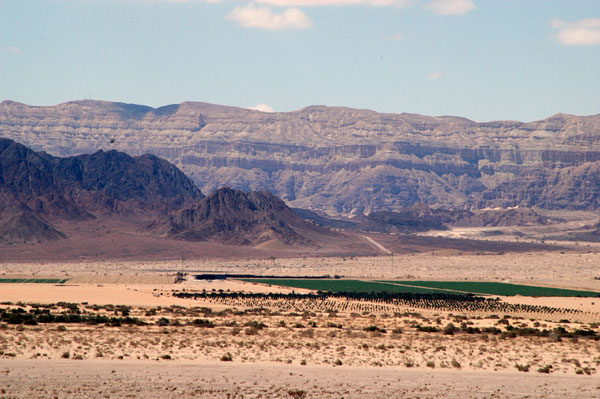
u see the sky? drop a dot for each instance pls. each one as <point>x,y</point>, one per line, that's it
<point>481,59</point>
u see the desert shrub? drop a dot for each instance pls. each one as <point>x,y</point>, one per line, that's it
<point>375,329</point>
<point>430,364</point>
<point>297,393</point>
<point>449,329</point>
<point>66,355</point>
<point>227,357</point>
<point>455,364</point>
<point>338,362</point>
<point>546,369</point>
<point>204,323</point>
<point>584,370</point>
<point>428,329</point>
<point>166,357</point>
<point>522,367</point>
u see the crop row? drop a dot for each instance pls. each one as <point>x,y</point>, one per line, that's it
<point>496,288</point>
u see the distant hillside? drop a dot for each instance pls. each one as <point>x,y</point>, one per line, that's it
<point>421,217</point>
<point>235,217</point>
<point>37,189</point>
<point>337,160</point>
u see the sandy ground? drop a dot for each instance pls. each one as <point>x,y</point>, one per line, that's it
<point>131,361</point>
<point>568,269</point>
<point>68,379</point>
<point>125,293</point>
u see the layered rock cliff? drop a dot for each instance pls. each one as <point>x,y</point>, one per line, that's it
<point>337,160</point>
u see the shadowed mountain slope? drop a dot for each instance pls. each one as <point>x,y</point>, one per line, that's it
<point>232,216</point>
<point>37,188</point>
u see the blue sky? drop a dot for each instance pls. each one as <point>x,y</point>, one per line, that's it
<point>481,59</point>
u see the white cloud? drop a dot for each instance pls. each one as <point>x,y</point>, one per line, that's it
<point>585,32</point>
<point>262,108</point>
<point>451,7</point>
<point>315,3</point>
<point>189,1</point>
<point>397,37</point>
<point>252,16</point>
<point>434,75</point>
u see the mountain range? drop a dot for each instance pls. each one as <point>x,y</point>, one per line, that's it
<point>337,160</point>
<point>38,190</point>
<point>111,205</point>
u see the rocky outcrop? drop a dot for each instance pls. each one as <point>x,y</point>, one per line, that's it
<point>338,160</point>
<point>235,217</point>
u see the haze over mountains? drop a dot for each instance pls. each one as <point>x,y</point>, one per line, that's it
<point>337,160</point>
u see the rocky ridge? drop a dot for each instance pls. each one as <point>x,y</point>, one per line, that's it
<point>235,217</point>
<point>338,160</point>
<point>37,189</point>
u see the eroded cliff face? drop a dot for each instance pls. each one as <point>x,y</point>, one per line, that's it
<point>338,160</point>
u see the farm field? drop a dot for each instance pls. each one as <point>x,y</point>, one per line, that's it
<point>32,280</point>
<point>426,287</point>
<point>358,286</point>
<point>497,288</point>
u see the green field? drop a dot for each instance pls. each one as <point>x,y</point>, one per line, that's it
<point>346,286</point>
<point>424,287</point>
<point>33,280</point>
<point>503,289</point>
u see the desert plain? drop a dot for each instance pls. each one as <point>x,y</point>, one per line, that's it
<point>140,338</point>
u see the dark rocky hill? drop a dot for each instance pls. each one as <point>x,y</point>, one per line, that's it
<point>19,224</point>
<point>37,189</point>
<point>338,160</point>
<point>235,217</point>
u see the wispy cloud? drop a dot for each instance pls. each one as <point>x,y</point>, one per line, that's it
<point>315,3</point>
<point>450,7</point>
<point>397,37</point>
<point>262,17</point>
<point>262,108</point>
<point>585,32</point>
<point>14,50</point>
<point>434,75</point>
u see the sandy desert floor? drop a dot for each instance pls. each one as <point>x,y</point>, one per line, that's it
<point>297,349</point>
<point>132,379</point>
<point>569,269</point>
